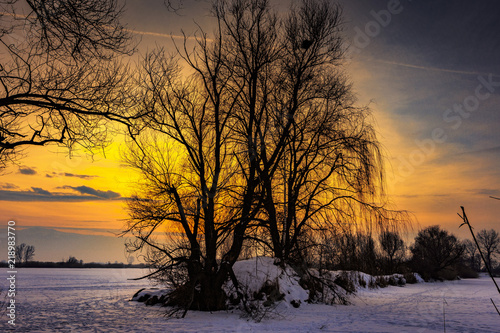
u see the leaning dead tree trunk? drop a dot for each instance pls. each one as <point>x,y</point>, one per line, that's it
<point>466,222</point>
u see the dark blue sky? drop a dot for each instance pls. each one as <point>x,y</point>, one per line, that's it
<point>428,62</point>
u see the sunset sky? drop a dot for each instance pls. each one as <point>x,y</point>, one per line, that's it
<point>430,71</point>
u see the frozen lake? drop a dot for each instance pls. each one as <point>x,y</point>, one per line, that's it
<point>96,300</point>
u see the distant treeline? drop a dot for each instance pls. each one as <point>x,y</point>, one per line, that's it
<point>77,264</point>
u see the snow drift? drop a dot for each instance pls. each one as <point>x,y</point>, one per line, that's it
<point>264,285</point>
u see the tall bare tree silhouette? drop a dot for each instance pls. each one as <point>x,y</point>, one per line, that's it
<point>262,143</point>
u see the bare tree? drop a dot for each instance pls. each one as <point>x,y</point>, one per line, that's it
<point>188,178</point>
<point>20,252</point>
<point>320,160</point>
<point>489,241</point>
<point>60,77</point>
<point>29,253</point>
<point>472,255</point>
<point>435,253</point>
<point>393,246</point>
<point>203,183</point>
<point>24,253</point>
<point>261,144</point>
<point>352,251</point>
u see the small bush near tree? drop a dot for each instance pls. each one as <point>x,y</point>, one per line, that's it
<point>410,278</point>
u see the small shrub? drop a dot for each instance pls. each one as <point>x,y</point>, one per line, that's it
<point>314,286</point>
<point>392,281</point>
<point>323,289</point>
<point>271,291</point>
<point>401,281</point>
<point>258,296</point>
<point>152,300</point>
<point>466,272</point>
<point>381,282</point>
<point>361,281</point>
<point>448,274</point>
<point>234,299</point>
<point>144,298</point>
<point>410,278</point>
<point>343,281</point>
<point>496,271</point>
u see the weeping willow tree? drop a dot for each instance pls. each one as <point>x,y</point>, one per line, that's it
<point>320,163</point>
<point>261,144</point>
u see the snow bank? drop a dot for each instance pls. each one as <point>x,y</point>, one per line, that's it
<point>263,285</point>
<point>261,279</point>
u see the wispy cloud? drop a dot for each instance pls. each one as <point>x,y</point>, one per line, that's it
<point>486,192</point>
<point>40,194</point>
<point>8,186</point>
<point>94,192</point>
<point>68,174</point>
<point>480,151</point>
<point>46,230</point>
<point>491,153</point>
<point>41,191</point>
<point>415,196</point>
<point>37,195</point>
<point>27,171</point>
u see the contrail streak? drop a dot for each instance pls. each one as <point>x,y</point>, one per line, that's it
<point>158,34</point>
<point>435,69</point>
<point>137,32</point>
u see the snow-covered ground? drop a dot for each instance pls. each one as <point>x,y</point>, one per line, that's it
<point>97,300</point>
